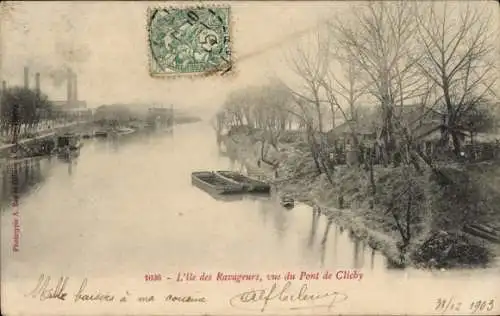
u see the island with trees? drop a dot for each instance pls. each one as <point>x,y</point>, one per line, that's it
<point>390,129</point>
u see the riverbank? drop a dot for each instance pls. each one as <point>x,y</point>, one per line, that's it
<point>434,222</point>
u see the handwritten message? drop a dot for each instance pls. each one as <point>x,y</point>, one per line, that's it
<point>49,289</point>
<point>257,292</point>
<point>288,290</point>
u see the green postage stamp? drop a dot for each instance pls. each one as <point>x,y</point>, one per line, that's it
<point>189,40</point>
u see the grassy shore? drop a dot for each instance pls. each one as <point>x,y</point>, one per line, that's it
<point>436,237</point>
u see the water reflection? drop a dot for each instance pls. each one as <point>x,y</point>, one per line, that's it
<point>72,163</point>
<point>232,162</point>
<point>357,257</point>
<point>334,248</point>
<point>335,241</point>
<point>314,227</point>
<point>372,259</point>
<point>264,210</point>
<point>21,177</point>
<point>324,239</point>
<point>280,221</point>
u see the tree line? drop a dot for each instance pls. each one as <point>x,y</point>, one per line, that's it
<point>384,58</point>
<point>23,110</point>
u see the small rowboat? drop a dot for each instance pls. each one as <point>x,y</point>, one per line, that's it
<point>210,182</point>
<point>249,185</point>
<point>287,202</point>
<point>483,231</point>
<point>228,197</point>
<point>124,131</point>
<point>101,134</point>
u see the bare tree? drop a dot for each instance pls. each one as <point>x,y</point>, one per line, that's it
<point>273,101</point>
<point>457,58</point>
<point>379,40</point>
<point>263,108</point>
<point>343,92</point>
<point>311,66</point>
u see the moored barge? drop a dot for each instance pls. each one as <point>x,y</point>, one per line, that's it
<point>212,183</point>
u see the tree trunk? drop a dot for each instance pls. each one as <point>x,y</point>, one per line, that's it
<point>332,110</point>
<point>408,218</point>
<point>457,146</point>
<point>314,152</point>
<point>372,175</point>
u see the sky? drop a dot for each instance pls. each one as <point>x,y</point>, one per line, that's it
<point>106,44</point>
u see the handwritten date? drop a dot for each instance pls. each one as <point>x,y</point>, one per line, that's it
<point>452,304</point>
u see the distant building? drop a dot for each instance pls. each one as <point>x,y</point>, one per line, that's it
<point>72,106</point>
<point>343,134</point>
<point>161,115</point>
<point>113,112</point>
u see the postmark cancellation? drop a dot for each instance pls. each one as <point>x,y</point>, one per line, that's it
<point>188,40</point>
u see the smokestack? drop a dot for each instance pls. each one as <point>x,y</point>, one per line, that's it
<point>70,86</point>
<point>37,82</point>
<point>26,78</point>
<point>75,87</point>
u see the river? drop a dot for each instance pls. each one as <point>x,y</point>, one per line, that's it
<point>127,207</point>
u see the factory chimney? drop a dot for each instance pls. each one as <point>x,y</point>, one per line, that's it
<point>69,80</point>
<point>37,82</point>
<point>75,87</point>
<point>26,78</point>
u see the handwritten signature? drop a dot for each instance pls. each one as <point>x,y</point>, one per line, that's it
<point>295,300</point>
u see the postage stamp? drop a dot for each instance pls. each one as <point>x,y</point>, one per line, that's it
<point>189,40</point>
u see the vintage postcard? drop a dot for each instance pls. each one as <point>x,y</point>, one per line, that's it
<point>250,158</point>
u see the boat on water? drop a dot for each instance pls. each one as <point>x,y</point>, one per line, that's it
<point>287,202</point>
<point>486,232</point>
<point>68,140</point>
<point>249,185</point>
<point>101,134</point>
<point>124,131</point>
<point>228,197</point>
<point>241,197</point>
<point>212,183</point>
<point>68,145</point>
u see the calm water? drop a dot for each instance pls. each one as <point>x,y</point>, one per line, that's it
<point>128,207</point>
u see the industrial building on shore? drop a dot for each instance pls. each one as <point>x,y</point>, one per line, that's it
<point>71,107</point>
